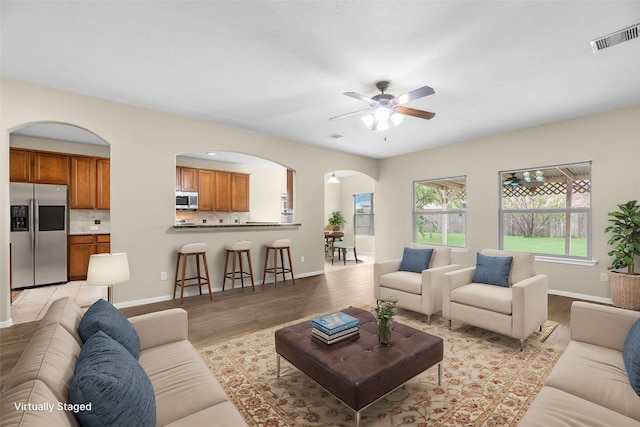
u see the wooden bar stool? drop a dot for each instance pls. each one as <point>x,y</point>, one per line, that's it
<point>196,250</point>
<point>237,249</point>
<point>278,246</point>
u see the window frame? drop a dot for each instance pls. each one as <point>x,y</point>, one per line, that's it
<point>371,215</point>
<point>565,211</point>
<point>443,212</point>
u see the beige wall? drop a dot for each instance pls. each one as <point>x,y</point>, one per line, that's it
<point>610,140</point>
<point>143,146</point>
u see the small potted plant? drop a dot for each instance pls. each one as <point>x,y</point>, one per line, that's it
<point>384,311</point>
<point>625,236</point>
<point>337,220</point>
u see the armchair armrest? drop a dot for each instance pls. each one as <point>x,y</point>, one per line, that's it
<point>529,305</point>
<point>161,327</point>
<point>380,269</point>
<point>454,279</point>
<point>601,325</point>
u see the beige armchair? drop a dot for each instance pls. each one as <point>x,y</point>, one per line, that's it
<point>515,310</point>
<point>420,292</point>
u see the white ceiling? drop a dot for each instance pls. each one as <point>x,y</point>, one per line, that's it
<point>281,67</point>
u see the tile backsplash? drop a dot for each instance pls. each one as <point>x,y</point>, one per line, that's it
<point>83,221</point>
<point>198,217</point>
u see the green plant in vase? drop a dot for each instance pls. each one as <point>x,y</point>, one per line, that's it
<point>384,312</point>
<point>337,220</point>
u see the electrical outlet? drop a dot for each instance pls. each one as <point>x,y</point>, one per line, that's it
<point>604,277</point>
<point>163,275</point>
<point>302,258</point>
<point>94,228</point>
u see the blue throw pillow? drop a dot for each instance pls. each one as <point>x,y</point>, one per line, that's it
<point>415,260</point>
<point>114,383</point>
<point>631,356</point>
<point>492,270</point>
<point>103,316</point>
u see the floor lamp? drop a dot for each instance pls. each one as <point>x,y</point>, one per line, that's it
<point>108,270</point>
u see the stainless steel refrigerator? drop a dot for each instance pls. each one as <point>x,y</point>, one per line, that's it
<point>38,234</point>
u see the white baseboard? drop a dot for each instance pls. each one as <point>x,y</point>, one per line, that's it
<point>193,291</point>
<point>6,323</point>
<point>602,300</point>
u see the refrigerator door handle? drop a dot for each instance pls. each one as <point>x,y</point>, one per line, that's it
<point>36,222</point>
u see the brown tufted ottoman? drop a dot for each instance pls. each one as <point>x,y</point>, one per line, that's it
<point>360,371</point>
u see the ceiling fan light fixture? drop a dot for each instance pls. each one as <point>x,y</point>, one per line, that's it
<point>383,113</point>
<point>381,125</point>
<point>332,179</point>
<point>396,118</point>
<point>368,120</point>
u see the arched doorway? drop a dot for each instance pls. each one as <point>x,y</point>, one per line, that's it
<point>354,196</point>
<point>73,164</point>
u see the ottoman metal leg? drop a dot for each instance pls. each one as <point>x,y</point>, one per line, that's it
<point>277,365</point>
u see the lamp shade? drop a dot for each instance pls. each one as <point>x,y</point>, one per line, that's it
<point>108,269</point>
<point>333,180</point>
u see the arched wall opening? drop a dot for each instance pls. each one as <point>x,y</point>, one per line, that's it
<point>352,193</point>
<point>68,143</point>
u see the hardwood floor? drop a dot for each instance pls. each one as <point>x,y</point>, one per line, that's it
<point>247,311</point>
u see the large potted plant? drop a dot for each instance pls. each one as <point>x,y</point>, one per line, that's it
<point>337,220</point>
<point>625,237</point>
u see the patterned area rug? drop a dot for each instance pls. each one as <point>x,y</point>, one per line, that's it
<point>486,381</point>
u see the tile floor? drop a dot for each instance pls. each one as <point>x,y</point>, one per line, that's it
<point>31,304</point>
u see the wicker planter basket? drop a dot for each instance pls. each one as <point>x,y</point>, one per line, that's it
<point>625,290</point>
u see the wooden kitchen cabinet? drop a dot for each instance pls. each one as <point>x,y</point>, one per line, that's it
<point>103,184</point>
<point>207,190</point>
<point>223,191</point>
<point>187,178</point>
<point>50,168</point>
<point>90,186</point>
<point>19,165</point>
<point>239,192</point>
<point>232,192</point>
<point>81,247</point>
<point>82,192</point>
<point>38,167</point>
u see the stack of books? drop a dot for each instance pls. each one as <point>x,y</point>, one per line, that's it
<point>335,327</point>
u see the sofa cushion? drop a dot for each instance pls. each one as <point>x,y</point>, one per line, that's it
<point>556,408</point>
<point>415,260</point>
<point>596,374</point>
<point>492,270</point>
<point>103,316</point>
<point>35,392</point>
<point>178,373</point>
<point>489,297</point>
<point>49,357</point>
<point>113,382</point>
<point>405,281</point>
<point>66,312</point>
<point>631,356</point>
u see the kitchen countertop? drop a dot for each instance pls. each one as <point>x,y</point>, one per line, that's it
<point>212,227</point>
<point>89,233</point>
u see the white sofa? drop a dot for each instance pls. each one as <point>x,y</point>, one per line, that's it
<point>516,310</point>
<point>420,292</point>
<point>589,385</point>
<point>186,392</point>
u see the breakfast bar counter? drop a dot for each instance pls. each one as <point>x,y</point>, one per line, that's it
<point>226,227</point>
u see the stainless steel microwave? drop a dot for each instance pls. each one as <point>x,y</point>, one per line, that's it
<point>186,200</point>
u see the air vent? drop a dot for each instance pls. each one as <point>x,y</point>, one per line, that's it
<point>621,36</point>
<point>335,136</point>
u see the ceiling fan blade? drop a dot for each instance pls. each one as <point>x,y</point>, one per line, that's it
<point>414,94</point>
<point>361,97</point>
<point>342,116</point>
<point>413,112</point>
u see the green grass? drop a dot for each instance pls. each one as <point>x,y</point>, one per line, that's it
<point>541,245</point>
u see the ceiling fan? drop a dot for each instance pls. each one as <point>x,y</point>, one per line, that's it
<point>384,106</point>
<point>512,181</point>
